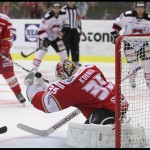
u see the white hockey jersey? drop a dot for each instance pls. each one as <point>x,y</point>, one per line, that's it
<point>132,25</point>
<point>51,25</point>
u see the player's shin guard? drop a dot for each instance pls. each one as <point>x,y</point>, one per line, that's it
<point>13,84</point>
<point>146,65</point>
<point>37,60</point>
<point>63,55</point>
<point>15,87</point>
<point>133,66</point>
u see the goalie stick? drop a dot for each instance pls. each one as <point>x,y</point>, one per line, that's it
<point>3,129</point>
<point>3,56</point>
<point>25,56</point>
<point>51,129</point>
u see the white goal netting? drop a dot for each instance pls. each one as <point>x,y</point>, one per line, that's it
<point>134,51</point>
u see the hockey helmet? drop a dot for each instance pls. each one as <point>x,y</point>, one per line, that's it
<point>65,69</point>
<point>140,4</point>
<point>56,4</point>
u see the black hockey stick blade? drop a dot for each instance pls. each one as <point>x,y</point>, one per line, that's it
<point>25,56</point>
<point>3,129</point>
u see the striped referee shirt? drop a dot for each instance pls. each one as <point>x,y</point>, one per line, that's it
<point>74,16</point>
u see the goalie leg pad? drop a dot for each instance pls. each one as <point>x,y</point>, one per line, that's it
<point>90,136</point>
<point>103,136</point>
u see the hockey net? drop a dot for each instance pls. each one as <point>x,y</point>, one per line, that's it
<point>138,114</point>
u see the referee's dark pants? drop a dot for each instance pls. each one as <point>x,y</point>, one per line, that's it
<point>71,42</point>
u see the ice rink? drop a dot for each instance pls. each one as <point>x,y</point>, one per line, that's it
<point>12,112</point>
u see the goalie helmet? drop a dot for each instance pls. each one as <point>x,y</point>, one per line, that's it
<point>65,69</point>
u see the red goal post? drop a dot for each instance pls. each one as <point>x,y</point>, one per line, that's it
<point>138,102</point>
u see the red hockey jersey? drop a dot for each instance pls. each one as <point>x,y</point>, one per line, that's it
<point>87,90</point>
<point>6,32</point>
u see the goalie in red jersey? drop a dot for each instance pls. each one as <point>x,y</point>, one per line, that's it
<point>83,87</point>
<point>6,67</point>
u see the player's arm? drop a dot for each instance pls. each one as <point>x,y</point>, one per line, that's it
<point>42,31</point>
<point>39,95</point>
<point>65,28</point>
<point>7,38</point>
<point>118,24</point>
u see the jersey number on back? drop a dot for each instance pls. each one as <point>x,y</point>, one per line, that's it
<point>96,87</point>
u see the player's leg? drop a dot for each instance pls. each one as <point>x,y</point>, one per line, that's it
<point>145,56</point>
<point>75,47</point>
<point>101,116</point>
<point>7,71</point>
<point>66,39</point>
<point>60,48</point>
<point>132,59</point>
<point>39,56</point>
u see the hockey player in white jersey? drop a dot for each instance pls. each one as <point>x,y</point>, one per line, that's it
<point>53,25</point>
<point>135,22</point>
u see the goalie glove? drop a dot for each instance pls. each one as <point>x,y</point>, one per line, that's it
<point>28,81</point>
<point>36,79</point>
<point>114,35</point>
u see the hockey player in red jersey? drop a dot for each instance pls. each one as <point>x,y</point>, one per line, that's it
<point>85,88</point>
<point>6,67</point>
<point>135,22</point>
<point>53,26</point>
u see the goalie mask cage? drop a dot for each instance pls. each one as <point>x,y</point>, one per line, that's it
<point>138,98</point>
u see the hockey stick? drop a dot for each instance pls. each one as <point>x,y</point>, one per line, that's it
<point>3,56</point>
<point>3,129</point>
<point>62,121</point>
<point>134,71</point>
<point>25,56</point>
<point>52,128</point>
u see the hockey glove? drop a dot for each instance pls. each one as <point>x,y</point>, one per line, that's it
<point>4,50</point>
<point>46,42</point>
<point>114,34</point>
<point>29,79</point>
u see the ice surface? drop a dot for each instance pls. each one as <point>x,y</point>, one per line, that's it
<point>12,112</point>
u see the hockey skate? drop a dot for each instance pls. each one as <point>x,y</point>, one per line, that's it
<point>20,98</point>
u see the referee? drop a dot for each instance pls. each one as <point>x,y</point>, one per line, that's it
<point>72,40</point>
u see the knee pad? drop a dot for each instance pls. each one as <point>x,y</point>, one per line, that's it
<point>101,116</point>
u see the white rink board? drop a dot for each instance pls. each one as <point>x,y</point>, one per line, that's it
<point>96,42</point>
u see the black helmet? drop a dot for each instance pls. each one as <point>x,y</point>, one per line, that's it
<point>140,4</point>
<point>56,4</point>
